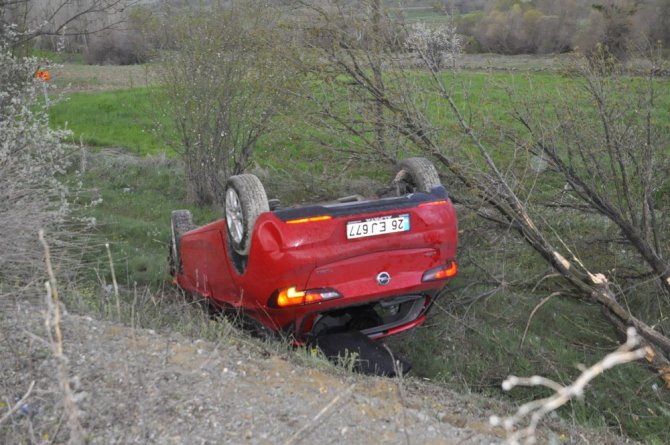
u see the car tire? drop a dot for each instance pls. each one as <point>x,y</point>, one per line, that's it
<point>245,200</point>
<point>415,175</point>
<point>181,221</point>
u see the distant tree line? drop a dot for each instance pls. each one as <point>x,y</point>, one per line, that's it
<point>547,26</point>
<point>124,31</point>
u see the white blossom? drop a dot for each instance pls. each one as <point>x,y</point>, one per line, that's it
<point>33,159</point>
<point>436,43</point>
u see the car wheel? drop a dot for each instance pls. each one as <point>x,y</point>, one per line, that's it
<point>181,221</point>
<point>245,200</point>
<point>415,175</point>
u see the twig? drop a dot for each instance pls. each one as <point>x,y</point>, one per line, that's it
<point>52,293</point>
<point>18,404</point>
<point>54,435</point>
<point>116,286</point>
<point>465,439</point>
<point>52,322</point>
<point>401,391</point>
<point>537,409</point>
<point>551,275</point>
<point>296,437</point>
<point>530,317</point>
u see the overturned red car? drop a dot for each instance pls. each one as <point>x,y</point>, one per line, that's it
<point>371,265</point>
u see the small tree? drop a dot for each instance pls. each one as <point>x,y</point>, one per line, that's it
<point>224,83</point>
<point>61,24</point>
<point>618,23</point>
<point>610,154</point>
<point>439,43</point>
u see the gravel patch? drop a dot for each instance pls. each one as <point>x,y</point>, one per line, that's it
<point>135,386</point>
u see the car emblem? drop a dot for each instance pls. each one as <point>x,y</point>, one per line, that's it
<point>383,278</point>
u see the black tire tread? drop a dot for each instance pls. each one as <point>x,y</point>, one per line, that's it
<point>181,222</point>
<point>253,200</point>
<point>422,172</point>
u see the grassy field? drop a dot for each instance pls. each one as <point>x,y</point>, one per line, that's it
<point>137,195</point>
<point>425,14</point>
<point>125,118</point>
<point>472,339</point>
<point>131,118</point>
<point>70,77</point>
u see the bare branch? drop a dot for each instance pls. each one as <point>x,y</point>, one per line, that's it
<point>536,410</point>
<point>530,317</point>
<point>18,404</point>
<point>53,325</point>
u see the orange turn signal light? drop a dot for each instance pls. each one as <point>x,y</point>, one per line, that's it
<point>311,219</point>
<point>293,297</point>
<point>433,203</point>
<point>448,270</point>
<point>290,297</point>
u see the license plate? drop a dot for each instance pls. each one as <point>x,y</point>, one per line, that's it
<point>378,226</point>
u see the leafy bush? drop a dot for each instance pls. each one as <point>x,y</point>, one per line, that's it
<point>227,80</point>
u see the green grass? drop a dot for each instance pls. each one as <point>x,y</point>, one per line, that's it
<point>127,119</point>
<point>475,346</point>
<point>134,216</point>
<point>470,344</point>
<point>420,14</point>
<point>131,119</point>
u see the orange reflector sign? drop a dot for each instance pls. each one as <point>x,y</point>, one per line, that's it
<point>42,75</point>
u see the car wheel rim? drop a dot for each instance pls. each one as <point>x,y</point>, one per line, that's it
<point>234,216</point>
<point>404,187</point>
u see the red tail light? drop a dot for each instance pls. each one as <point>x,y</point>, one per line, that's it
<point>448,270</point>
<point>294,297</point>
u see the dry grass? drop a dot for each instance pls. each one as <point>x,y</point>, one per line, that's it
<point>53,324</point>
<point>75,77</point>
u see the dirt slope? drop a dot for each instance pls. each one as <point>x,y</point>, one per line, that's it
<point>135,386</point>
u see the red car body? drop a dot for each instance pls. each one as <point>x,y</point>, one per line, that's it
<point>308,270</point>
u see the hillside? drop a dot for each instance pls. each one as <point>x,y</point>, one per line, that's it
<point>139,386</point>
<point>470,342</point>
